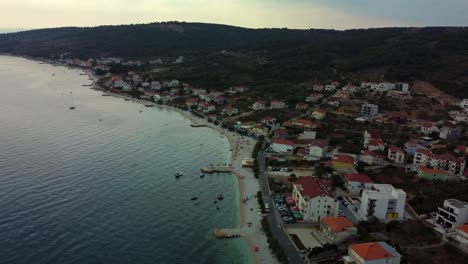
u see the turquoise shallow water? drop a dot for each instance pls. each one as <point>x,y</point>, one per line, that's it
<point>78,190</point>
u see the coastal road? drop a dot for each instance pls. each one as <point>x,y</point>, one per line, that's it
<point>276,222</point>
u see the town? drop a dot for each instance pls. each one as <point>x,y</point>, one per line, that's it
<point>356,171</point>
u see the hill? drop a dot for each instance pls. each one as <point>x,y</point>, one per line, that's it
<point>267,58</point>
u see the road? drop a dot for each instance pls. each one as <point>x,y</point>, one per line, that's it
<point>273,217</point>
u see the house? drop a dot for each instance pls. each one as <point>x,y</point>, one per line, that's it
<point>281,133</point>
<point>454,213</point>
<point>356,183</point>
<point>396,154</point>
<point>462,149</point>
<point>258,105</point>
<point>302,106</point>
<point>429,128</point>
<point>334,103</point>
<point>318,114</point>
<point>375,144</point>
<point>260,130</point>
<point>330,88</point>
<point>275,104</point>
<point>301,123</point>
<point>230,111</point>
<point>198,91</point>
<point>269,121</point>
<point>369,109</point>
<point>307,135</point>
<point>281,145</point>
<point>410,147</point>
<point>318,87</point>
<point>369,157</point>
<point>464,104</point>
<point>447,162</point>
<point>449,132</point>
<point>206,107</point>
<point>217,99</point>
<point>402,87</point>
<point>432,174</point>
<point>300,152</point>
<point>383,201</point>
<point>314,198</point>
<point>191,102</point>
<point>421,156</point>
<point>462,236</point>
<point>337,229</point>
<point>350,88</point>
<point>315,97</point>
<point>340,161</point>
<point>372,253</point>
<point>314,152</point>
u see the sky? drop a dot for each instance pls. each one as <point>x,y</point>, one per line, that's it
<point>329,14</point>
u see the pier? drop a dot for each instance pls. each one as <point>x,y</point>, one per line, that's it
<point>217,169</point>
<point>219,233</point>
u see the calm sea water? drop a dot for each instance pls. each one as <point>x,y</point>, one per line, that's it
<point>74,189</point>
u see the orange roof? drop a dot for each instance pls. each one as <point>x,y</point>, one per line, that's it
<point>370,251</point>
<point>434,171</point>
<point>395,149</point>
<point>337,224</point>
<point>312,188</point>
<point>358,178</point>
<point>283,141</point>
<point>463,228</point>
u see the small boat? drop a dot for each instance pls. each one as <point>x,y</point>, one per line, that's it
<point>196,203</point>
<point>105,94</point>
<point>217,207</point>
<point>220,197</point>
<point>215,202</point>
<point>141,111</point>
<point>127,99</point>
<point>149,105</point>
<point>194,198</point>
<point>72,108</point>
<point>178,174</point>
<point>202,175</point>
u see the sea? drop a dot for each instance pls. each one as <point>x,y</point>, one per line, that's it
<point>96,184</point>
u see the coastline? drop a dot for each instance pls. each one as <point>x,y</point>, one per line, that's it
<point>241,147</point>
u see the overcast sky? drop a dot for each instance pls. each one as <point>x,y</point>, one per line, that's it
<point>338,14</point>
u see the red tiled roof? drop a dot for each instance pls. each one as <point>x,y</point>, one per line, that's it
<point>343,158</point>
<point>337,224</point>
<point>281,132</point>
<point>318,110</point>
<point>376,142</point>
<point>358,178</point>
<point>283,141</point>
<point>301,151</point>
<point>311,187</point>
<point>303,122</point>
<point>370,251</point>
<point>426,152</point>
<point>433,171</point>
<point>395,149</point>
<point>463,228</point>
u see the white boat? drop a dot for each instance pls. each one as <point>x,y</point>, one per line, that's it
<point>202,175</point>
<point>178,174</point>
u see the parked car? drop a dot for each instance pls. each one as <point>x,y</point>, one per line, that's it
<point>340,212</point>
<point>345,204</point>
<point>339,198</point>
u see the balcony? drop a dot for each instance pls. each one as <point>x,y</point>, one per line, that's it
<point>446,217</point>
<point>447,211</point>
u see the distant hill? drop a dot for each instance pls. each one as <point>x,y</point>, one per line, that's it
<point>260,56</point>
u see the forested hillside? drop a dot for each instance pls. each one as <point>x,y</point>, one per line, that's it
<point>267,57</point>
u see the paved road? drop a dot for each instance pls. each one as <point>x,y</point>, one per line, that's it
<point>273,217</point>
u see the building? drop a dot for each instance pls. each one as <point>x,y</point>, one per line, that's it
<point>191,102</point>
<point>375,144</point>
<point>342,162</point>
<point>281,133</point>
<point>275,104</point>
<point>464,104</point>
<point>429,128</point>
<point>259,105</point>
<point>281,145</point>
<point>449,132</point>
<point>302,106</point>
<point>230,111</point>
<point>384,202</point>
<point>337,229</point>
<point>462,236</point>
<point>402,87</point>
<point>307,135</point>
<point>330,88</point>
<point>447,162</point>
<point>369,109</point>
<point>432,174</point>
<point>318,114</point>
<point>421,156</point>
<point>314,152</point>
<point>314,199</point>
<point>357,183</point>
<point>317,87</point>
<point>372,253</point>
<point>315,97</point>
<point>396,154</point>
<point>410,147</point>
<point>454,213</point>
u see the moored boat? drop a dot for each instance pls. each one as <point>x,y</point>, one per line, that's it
<point>178,174</point>
<point>220,197</point>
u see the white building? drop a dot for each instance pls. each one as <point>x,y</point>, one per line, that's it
<point>314,152</point>
<point>464,104</point>
<point>453,214</point>
<point>369,109</point>
<point>372,253</point>
<point>281,145</point>
<point>402,87</point>
<point>337,229</point>
<point>384,202</point>
<point>314,199</point>
<point>421,156</point>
